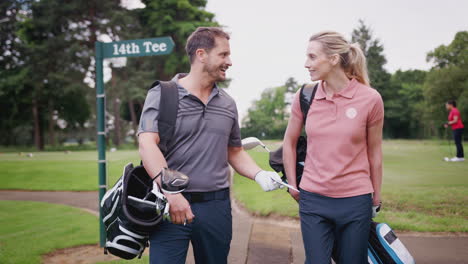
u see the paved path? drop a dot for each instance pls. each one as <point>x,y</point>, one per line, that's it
<point>262,240</point>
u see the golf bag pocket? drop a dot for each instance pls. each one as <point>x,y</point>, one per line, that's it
<point>385,247</point>
<point>124,243</point>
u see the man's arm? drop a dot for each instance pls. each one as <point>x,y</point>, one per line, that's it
<point>374,150</point>
<point>154,162</point>
<point>246,166</point>
<point>242,162</point>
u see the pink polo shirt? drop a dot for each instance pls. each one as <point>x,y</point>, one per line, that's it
<point>337,164</point>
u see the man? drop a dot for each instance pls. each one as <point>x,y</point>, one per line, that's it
<point>455,121</point>
<point>206,139</point>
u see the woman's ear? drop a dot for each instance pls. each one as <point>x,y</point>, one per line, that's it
<point>335,59</point>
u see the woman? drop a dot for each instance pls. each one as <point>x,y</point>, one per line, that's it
<point>343,169</point>
<point>455,121</point>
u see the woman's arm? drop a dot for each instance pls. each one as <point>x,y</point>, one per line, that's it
<point>293,131</point>
<point>374,151</point>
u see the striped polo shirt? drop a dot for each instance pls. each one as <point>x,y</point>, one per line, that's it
<point>203,133</point>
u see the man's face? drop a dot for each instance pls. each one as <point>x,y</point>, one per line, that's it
<point>448,107</point>
<point>318,63</point>
<point>218,60</point>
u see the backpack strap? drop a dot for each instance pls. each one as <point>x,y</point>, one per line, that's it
<point>306,98</point>
<point>168,107</point>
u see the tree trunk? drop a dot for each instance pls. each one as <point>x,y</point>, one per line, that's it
<point>117,138</point>
<point>131,108</point>
<point>51,124</point>
<point>37,127</point>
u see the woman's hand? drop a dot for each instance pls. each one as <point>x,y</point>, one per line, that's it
<point>295,195</point>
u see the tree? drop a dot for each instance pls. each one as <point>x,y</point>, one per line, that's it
<point>379,77</point>
<point>447,80</point>
<point>175,18</point>
<point>268,116</point>
<point>408,104</point>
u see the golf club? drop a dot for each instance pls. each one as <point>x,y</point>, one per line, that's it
<point>252,142</point>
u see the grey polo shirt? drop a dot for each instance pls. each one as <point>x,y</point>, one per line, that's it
<point>199,147</point>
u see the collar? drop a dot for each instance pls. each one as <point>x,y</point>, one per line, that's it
<point>347,92</point>
<point>184,92</point>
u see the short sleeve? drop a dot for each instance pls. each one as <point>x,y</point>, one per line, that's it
<point>376,113</point>
<point>296,106</point>
<point>150,112</point>
<point>235,136</point>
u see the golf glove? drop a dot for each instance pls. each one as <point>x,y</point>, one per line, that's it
<point>375,210</point>
<point>268,180</point>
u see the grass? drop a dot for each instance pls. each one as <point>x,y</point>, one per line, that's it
<point>420,191</point>
<point>30,229</point>
<point>75,171</point>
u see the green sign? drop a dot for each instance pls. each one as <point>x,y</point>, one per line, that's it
<point>126,48</point>
<point>138,47</point>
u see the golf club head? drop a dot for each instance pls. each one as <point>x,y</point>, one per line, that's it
<point>250,143</point>
<point>173,181</point>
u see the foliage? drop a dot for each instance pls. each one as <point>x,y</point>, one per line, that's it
<point>268,117</point>
<point>379,77</point>
<point>447,80</point>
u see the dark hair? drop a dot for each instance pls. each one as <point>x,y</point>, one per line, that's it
<point>452,102</point>
<point>203,38</point>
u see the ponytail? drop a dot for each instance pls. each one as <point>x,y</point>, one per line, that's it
<point>356,65</point>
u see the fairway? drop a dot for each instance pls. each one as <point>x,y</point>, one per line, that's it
<point>421,192</point>
<point>75,171</point>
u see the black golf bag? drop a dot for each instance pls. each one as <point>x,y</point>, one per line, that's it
<point>385,247</point>
<point>130,211</point>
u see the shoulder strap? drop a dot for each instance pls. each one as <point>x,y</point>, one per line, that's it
<point>306,98</point>
<point>168,107</point>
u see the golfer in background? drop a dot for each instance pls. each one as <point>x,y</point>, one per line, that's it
<point>343,167</point>
<point>455,121</point>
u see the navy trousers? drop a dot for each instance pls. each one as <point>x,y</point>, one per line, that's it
<point>457,136</point>
<point>337,227</point>
<point>210,234</point>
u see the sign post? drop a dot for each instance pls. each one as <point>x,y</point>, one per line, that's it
<point>126,48</point>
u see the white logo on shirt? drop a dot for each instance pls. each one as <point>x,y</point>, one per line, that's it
<point>351,113</point>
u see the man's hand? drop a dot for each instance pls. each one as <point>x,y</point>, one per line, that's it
<point>268,180</point>
<point>179,209</point>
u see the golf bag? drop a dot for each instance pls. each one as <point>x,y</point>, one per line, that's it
<point>276,157</point>
<point>385,247</point>
<point>132,208</point>
<point>130,211</point>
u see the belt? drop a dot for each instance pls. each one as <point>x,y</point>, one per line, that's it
<point>198,197</point>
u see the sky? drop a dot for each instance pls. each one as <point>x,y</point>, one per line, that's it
<point>269,38</point>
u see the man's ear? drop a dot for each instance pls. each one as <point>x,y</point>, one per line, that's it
<point>200,55</point>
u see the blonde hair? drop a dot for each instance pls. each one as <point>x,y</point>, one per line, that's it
<point>352,58</point>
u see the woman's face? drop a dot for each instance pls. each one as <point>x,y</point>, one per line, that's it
<point>318,63</point>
